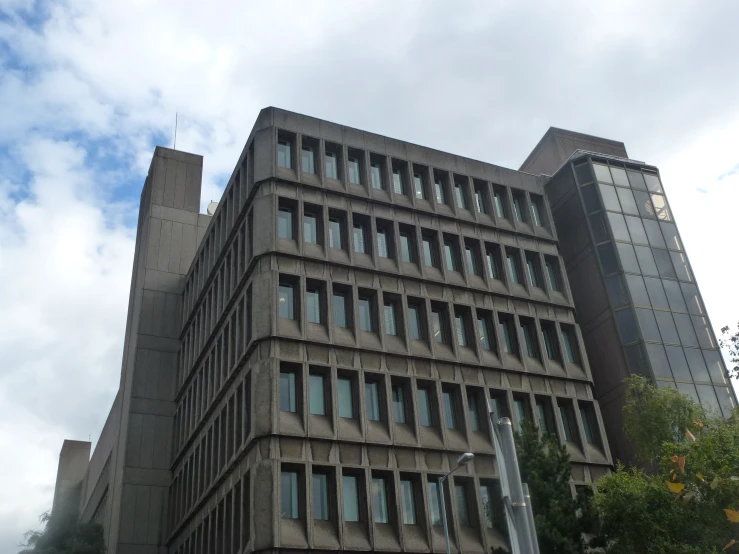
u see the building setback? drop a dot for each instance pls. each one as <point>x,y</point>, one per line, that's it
<point>301,366</point>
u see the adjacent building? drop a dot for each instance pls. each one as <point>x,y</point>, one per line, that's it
<point>300,366</point>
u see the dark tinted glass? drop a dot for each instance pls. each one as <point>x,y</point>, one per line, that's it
<point>674,296</point>
<point>667,327</point>
<point>590,198</point>
<point>656,293</point>
<point>692,298</point>
<point>627,326</point>
<point>680,261</point>
<point>636,230</point>
<point>636,359</point>
<point>669,230</point>
<point>583,173</point>
<point>653,233</point>
<point>619,176</point>
<point>688,389</point>
<point>636,179</point>
<point>664,263</point>
<point>703,330</point>
<point>697,365</point>
<point>616,291</point>
<point>653,182</point>
<point>658,360</point>
<point>618,227</point>
<point>646,260</point>
<point>598,224</point>
<point>638,290</point>
<point>608,258</point>
<point>685,329</point>
<point>708,398</point>
<point>610,200</point>
<point>644,204</point>
<point>715,365</point>
<point>628,204</point>
<point>648,325</point>
<point>628,258</point>
<point>677,362</point>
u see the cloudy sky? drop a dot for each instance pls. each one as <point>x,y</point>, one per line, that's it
<point>88,88</point>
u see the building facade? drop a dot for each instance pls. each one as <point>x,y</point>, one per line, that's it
<point>302,365</point>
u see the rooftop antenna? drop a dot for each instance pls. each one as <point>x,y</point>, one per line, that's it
<point>175,132</point>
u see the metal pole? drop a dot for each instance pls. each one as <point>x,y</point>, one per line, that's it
<point>442,507</point>
<point>517,500</point>
<point>530,518</point>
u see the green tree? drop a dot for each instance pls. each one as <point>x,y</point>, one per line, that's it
<point>689,503</point>
<point>62,533</point>
<point>561,520</point>
<point>730,342</point>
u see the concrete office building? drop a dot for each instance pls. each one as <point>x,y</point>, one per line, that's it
<point>301,366</point>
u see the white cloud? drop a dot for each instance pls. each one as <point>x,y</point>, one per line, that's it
<point>479,79</point>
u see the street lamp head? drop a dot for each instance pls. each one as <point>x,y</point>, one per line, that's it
<point>464,458</point>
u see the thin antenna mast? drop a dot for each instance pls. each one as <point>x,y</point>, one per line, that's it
<point>175,132</point>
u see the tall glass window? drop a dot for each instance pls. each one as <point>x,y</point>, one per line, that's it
<point>308,159</point>
<point>379,499</point>
<point>390,323</point>
<point>340,310</point>
<point>553,273</point>
<point>541,411</point>
<point>288,399</point>
<point>472,264</point>
<point>335,239</point>
<point>317,389</point>
<point>459,193</point>
<point>359,245</point>
<point>372,400</point>
<point>451,256</point>
<point>533,273</point>
<point>550,342</point>
<point>567,423</point>
<point>332,166</point>
<point>439,188</point>
<point>285,223</point>
<point>535,214</point>
<point>284,154</point>
<point>479,201</point>
<point>513,268</point>
<point>463,508</point>
<point>461,331</point>
<point>587,425</point>
<point>405,247</point>
<point>365,314</point>
<point>439,325</point>
<point>414,320</point>
<point>571,349</point>
<point>313,305</point>
<point>399,409</point>
<point>499,205</point>
<point>434,503</point>
<point>507,336</point>
<point>492,266</point>
<point>486,493</point>
<point>376,176</point>
<point>517,207</point>
<point>287,299</point>
<point>424,407</point>
<point>450,414</point>
<point>483,329</point>
<point>428,252</point>
<point>520,407</point>
<point>418,185</point>
<point>353,168</point>
<point>409,502</point>
<point>320,496</point>
<point>382,243</point>
<point>473,412</point>
<point>289,494</point>
<point>398,184</point>
<point>346,400</point>
<point>351,497</point>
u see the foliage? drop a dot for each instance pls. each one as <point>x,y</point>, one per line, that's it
<point>64,534</point>
<point>561,520</point>
<point>687,505</point>
<point>730,343</point>
<point>655,416</point>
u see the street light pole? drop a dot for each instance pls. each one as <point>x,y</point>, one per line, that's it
<point>463,459</point>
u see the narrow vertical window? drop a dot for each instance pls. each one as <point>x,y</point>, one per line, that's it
<point>379,499</point>
<point>492,265</point>
<point>439,327</point>
<point>340,310</point>
<point>372,400</point>
<point>320,496</point>
<point>332,166</point>
<point>285,223</point>
<point>463,509</point>
<point>308,159</point>
<point>382,243</point>
<point>365,314</point>
<point>450,414</point>
<point>289,494</point>
<point>535,213</point>
<point>434,501</point>
<point>507,336</point>
<point>376,175</point>
<point>587,424</point>
<point>571,348</point>
<point>399,409</point>
<point>428,253</point>
<point>334,233</point>
<point>390,323</point>
<point>550,342</point>
<point>405,247</point>
<point>459,193</point>
<point>499,205</point>
<point>424,407</point>
<point>418,185</point>
<point>553,272</point>
<point>351,497</point>
<point>473,412</point>
<point>564,413</point>
<point>517,207</point>
<point>483,329</point>
<point>353,169</point>
<point>533,273</point>
<point>541,411</point>
<point>520,406</point>
<point>513,268</point>
<point>284,154</point>
<point>480,201</point>
<point>414,321</point>
<point>398,184</point>
<point>317,389</point>
<point>451,256</point>
<point>287,308</point>
<point>439,189</point>
<point>359,245</point>
<point>486,493</point>
<point>288,401</point>
<point>472,264</point>
<point>346,401</point>
<point>313,305</point>
<point>529,339</point>
<point>461,331</point>
<point>408,501</point>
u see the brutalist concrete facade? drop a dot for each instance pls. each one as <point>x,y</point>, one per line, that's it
<point>301,366</point>
<point>638,305</point>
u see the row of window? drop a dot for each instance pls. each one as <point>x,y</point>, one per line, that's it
<point>214,370</point>
<point>217,447</point>
<point>226,528</point>
<point>404,243</point>
<point>215,299</point>
<point>410,401</point>
<point>408,179</point>
<point>214,242</point>
<point>437,321</point>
